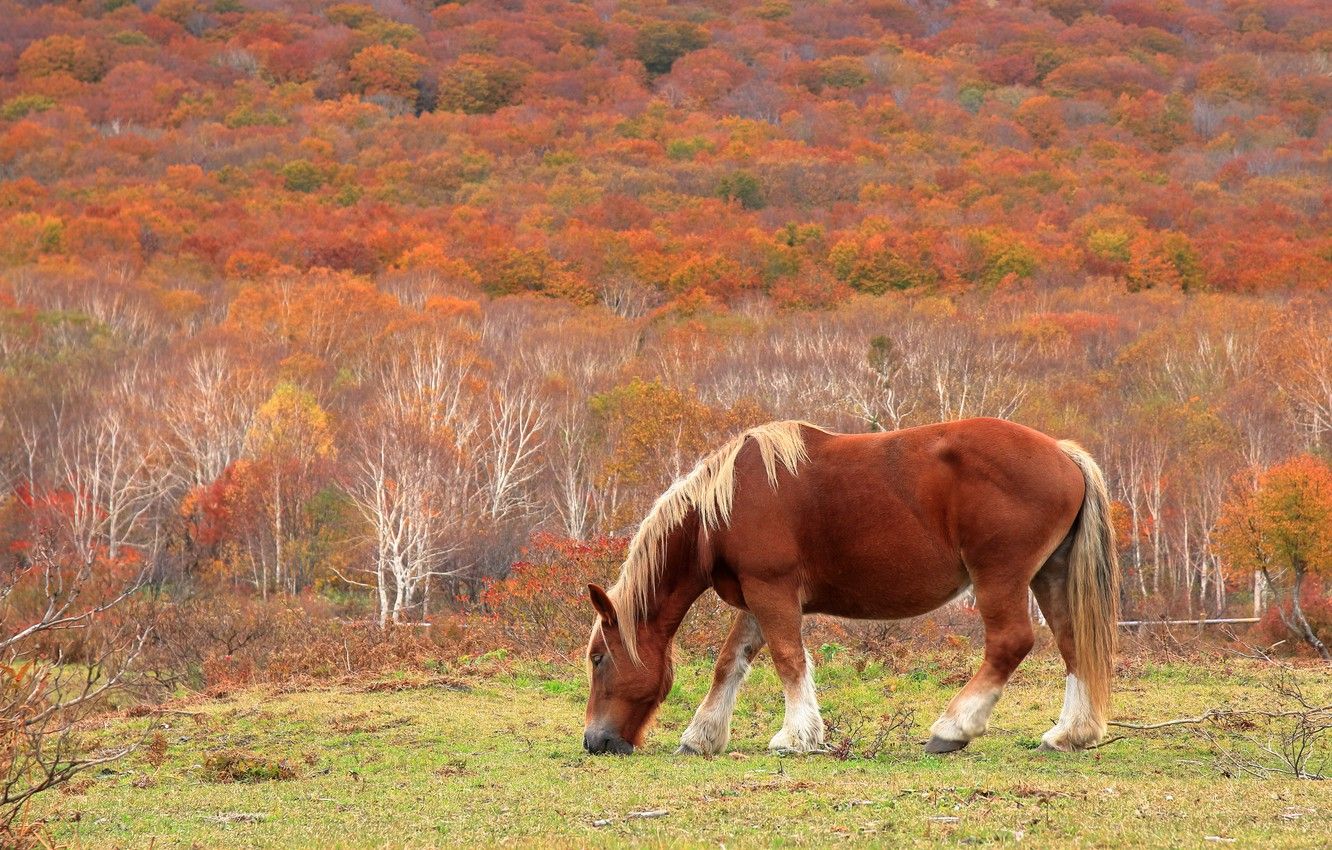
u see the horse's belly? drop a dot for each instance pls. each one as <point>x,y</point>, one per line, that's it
<point>883,590</point>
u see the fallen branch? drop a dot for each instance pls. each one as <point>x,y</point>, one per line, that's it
<point>1219,713</point>
<point>1107,742</point>
<point>644,815</point>
<point>236,817</point>
<point>1293,736</point>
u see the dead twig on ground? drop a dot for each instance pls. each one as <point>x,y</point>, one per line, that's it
<point>1261,742</point>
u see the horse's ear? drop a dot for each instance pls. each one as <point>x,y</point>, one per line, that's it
<point>602,603</point>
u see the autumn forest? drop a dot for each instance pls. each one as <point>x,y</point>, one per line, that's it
<point>377,308</point>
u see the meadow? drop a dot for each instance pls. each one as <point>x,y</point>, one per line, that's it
<point>342,344</point>
<point>486,751</point>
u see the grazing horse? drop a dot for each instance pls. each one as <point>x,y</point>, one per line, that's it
<point>788,519</point>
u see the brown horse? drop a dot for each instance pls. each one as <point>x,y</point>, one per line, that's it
<point>788,519</point>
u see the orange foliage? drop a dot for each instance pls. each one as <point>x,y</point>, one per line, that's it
<point>1284,524</point>
<point>658,147</point>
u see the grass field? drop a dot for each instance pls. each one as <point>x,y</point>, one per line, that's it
<point>490,753</point>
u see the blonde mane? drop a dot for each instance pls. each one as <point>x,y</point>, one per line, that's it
<point>708,489</point>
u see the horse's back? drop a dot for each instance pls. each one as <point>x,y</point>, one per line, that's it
<point>888,525</point>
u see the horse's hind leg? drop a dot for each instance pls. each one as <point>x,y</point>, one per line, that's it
<point>1078,727</point>
<point>710,729</point>
<point>1002,601</point>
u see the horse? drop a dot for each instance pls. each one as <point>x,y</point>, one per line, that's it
<point>789,519</point>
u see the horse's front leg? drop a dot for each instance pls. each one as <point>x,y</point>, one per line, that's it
<point>710,729</point>
<point>778,613</point>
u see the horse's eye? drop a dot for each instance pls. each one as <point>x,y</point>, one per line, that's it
<point>597,659</point>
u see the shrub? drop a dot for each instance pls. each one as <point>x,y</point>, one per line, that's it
<point>62,54</point>
<point>381,69</point>
<point>480,84</point>
<point>23,105</point>
<point>301,175</point>
<point>743,187</point>
<point>839,72</point>
<point>881,262</point>
<point>541,607</point>
<point>233,765</point>
<point>660,43</point>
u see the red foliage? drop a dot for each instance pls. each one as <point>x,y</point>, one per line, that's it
<point>542,604</point>
<point>540,118</point>
<point>1316,602</point>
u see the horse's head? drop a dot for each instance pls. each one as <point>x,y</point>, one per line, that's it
<point>624,694</point>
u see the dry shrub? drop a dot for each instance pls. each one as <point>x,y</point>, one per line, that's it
<point>856,736</point>
<point>1185,644</point>
<point>44,742</point>
<point>226,643</point>
<point>1195,644</point>
<point>947,638</point>
<point>333,649</point>
<point>25,835</point>
<point>703,631</point>
<point>541,609</point>
<point>209,639</point>
<point>233,765</point>
<point>55,609</point>
<point>155,752</point>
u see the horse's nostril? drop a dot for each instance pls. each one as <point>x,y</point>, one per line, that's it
<point>595,742</point>
<point>598,743</point>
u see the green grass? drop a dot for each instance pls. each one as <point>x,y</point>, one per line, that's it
<point>491,758</point>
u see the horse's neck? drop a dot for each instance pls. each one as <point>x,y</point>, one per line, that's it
<point>680,581</point>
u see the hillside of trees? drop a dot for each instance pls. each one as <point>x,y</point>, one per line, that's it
<point>352,300</point>
<point>635,153</point>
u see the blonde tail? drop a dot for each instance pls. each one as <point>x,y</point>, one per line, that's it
<point>1093,587</point>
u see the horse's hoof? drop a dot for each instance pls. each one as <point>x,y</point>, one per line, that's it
<point>943,745</point>
<point>686,750</point>
<point>1047,748</point>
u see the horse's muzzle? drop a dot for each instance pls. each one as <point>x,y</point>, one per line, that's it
<point>599,742</point>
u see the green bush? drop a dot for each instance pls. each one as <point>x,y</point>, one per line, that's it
<point>660,43</point>
<point>743,187</point>
<point>301,175</point>
<point>25,104</point>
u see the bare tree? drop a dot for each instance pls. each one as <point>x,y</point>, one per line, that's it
<point>968,374</point>
<point>393,486</point>
<point>626,296</point>
<point>515,420</point>
<point>1309,383</point>
<point>1128,482</point>
<point>107,470</point>
<point>574,488</point>
<point>207,413</point>
<point>882,399</point>
<point>414,476</point>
